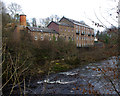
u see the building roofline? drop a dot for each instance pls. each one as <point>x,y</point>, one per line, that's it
<point>51,22</point>
<point>74,21</point>
<point>59,23</point>
<point>65,18</point>
<point>45,30</point>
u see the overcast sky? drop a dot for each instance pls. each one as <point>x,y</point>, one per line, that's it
<point>74,9</point>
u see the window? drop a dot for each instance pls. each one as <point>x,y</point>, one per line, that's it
<point>76,30</point>
<point>76,26</point>
<point>50,38</point>
<point>72,38</point>
<point>84,38</point>
<point>68,30</point>
<point>56,39</point>
<point>72,30</point>
<point>69,38</point>
<point>28,31</point>
<point>65,37</point>
<point>45,34</point>
<point>36,38</point>
<point>77,44</point>
<point>84,44</point>
<point>65,29</point>
<point>77,37</point>
<point>41,37</point>
<point>41,30</point>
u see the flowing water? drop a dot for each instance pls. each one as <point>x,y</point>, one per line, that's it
<point>82,80</point>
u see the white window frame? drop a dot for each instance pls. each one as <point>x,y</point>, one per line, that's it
<point>72,38</point>
<point>42,38</point>
<point>50,38</point>
<point>68,30</point>
<point>77,45</point>
<point>56,38</point>
<point>76,26</point>
<point>65,30</point>
<point>36,38</point>
<point>76,30</point>
<point>77,37</point>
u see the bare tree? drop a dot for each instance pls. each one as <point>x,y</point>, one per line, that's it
<point>14,9</point>
<point>6,18</point>
<point>34,23</point>
<point>44,22</point>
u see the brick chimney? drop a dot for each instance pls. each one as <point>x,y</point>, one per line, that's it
<point>23,20</point>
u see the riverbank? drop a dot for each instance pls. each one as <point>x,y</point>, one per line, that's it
<point>86,57</point>
<point>32,60</point>
<point>55,66</point>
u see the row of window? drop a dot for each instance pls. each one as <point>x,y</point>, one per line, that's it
<point>84,44</point>
<point>83,32</point>
<point>36,38</point>
<point>87,32</point>
<point>83,28</point>
<point>45,34</point>
<point>84,38</point>
<point>78,38</point>
<point>64,29</point>
<point>69,38</point>
<point>77,31</point>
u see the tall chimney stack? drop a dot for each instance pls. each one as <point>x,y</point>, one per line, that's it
<point>23,20</point>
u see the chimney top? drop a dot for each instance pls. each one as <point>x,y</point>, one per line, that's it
<point>22,15</point>
<point>23,20</point>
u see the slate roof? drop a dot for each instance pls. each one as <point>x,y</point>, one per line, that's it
<point>64,24</point>
<point>76,22</point>
<point>36,29</point>
<point>61,23</point>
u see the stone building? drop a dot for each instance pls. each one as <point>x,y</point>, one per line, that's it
<point>78,32</point>
<point>42,33</point>
<point>64,30</point>
<point>35,32</point>
<point>82,34</point>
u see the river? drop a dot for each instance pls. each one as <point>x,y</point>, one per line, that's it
<point>87,80</point>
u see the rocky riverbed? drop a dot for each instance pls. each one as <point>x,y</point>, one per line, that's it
<point>96,78</point>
